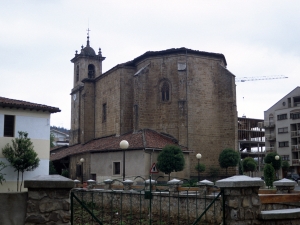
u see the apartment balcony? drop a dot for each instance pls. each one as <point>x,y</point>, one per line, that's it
<point>296,162</point>
<point>270,149</point>
<point>268,124</point>
<point>270,137</point>
<point>295,133</point>
<point>295,148</point>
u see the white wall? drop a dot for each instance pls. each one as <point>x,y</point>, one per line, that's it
<point>37,125</point>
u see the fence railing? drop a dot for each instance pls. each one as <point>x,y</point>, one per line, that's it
<point>142,204</point>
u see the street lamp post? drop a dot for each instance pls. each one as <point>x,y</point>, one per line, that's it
<point>277,158</point>
<point>82,161</point>
<point>124,145</point>
<point>198,156</point>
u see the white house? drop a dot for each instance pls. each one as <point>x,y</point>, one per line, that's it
<point>60,138</point>
<point>16,115</point>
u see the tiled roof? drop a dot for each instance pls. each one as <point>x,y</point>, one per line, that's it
<point>13,103</point>
<point>139,140</point>
<point>166,52</point>
<point>176,51</point>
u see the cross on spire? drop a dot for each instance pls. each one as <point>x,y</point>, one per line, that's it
<point>88,37</point>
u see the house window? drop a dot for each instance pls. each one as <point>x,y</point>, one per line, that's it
<point>9,126</point>
<point>282,130</point>
<point>282,117</point>
<point>78,170</point>
<point>93,176</point>
<point>283,144</point>
<point>116,168</point>
<point>295,116</point>
<point>91,71</point>
<point>285,158</point>
<point>165,92</point>
<point>104,112</point>
<point>77,73</point>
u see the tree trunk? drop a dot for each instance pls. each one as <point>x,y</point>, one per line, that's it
<point>21,182</point>
<point>18,181</point>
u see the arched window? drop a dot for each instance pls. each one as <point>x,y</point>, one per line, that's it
<point>77,73</point>
<point>165,92</point>
<point>91,71</point>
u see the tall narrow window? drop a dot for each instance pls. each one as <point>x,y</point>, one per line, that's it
<point>9,125</point>
<point>116,168</point>
<point>91,71</point>
<point>77,73</point>
<point>165,92</point>
<point>104,112</point>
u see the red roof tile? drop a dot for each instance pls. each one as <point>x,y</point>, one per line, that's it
<point>139,140</point>
<point>13,103</point>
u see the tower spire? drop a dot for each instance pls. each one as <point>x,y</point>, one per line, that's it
<point>88,37</point>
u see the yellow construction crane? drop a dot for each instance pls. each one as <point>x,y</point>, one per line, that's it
<point>244,79</point>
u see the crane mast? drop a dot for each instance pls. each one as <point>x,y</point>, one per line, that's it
<point>244,79</point>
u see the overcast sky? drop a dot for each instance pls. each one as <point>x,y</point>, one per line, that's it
<point>39,38</point>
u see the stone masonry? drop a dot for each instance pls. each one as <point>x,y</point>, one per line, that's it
<point>48,200</point>
<point>184,93</point>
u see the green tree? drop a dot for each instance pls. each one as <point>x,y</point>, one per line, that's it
<point>65,173</point>
<point>21,155</point>
<point>170,159</point>
<point>52,169</point>
<point>285,167</point>
<point>241,171</point>
<point>200,167</point>
<point>269,174</point>
<point>270,159</point>
<point>214,172</point>
<point>2,166</point>
<point>249,164</point>
<point>52,138</point>
<point>228,158</point>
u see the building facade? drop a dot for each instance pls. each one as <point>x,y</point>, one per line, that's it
<point>185,94</point>
<point>282,129</point>
<point>60,138</point>
<point>251,137</point>
<point>16,115</point>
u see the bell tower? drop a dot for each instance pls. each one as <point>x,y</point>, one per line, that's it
<point>87,67</point>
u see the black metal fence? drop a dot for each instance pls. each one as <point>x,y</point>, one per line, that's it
<point>142,204</point>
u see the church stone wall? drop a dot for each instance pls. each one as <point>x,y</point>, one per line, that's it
<point>108,92</point>
<point>89,112</point>
<point>126,100</point>
<point>211,111</point>
<point>201,112</point>
<point>153,113</point>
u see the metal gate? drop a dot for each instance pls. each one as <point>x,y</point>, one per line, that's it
<point>146,205</point>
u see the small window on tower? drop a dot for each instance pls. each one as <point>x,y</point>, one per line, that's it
<point>104,112</point>
<point>165,92</point>
<point>77,73</point>
<point>91,71</point>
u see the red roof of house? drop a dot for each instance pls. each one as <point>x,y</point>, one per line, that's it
<point>140,140</point>
<point>13,103</point>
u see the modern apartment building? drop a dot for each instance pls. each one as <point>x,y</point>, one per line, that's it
<point>282,129</point>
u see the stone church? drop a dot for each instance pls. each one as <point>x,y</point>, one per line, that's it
<point>176,96</point>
